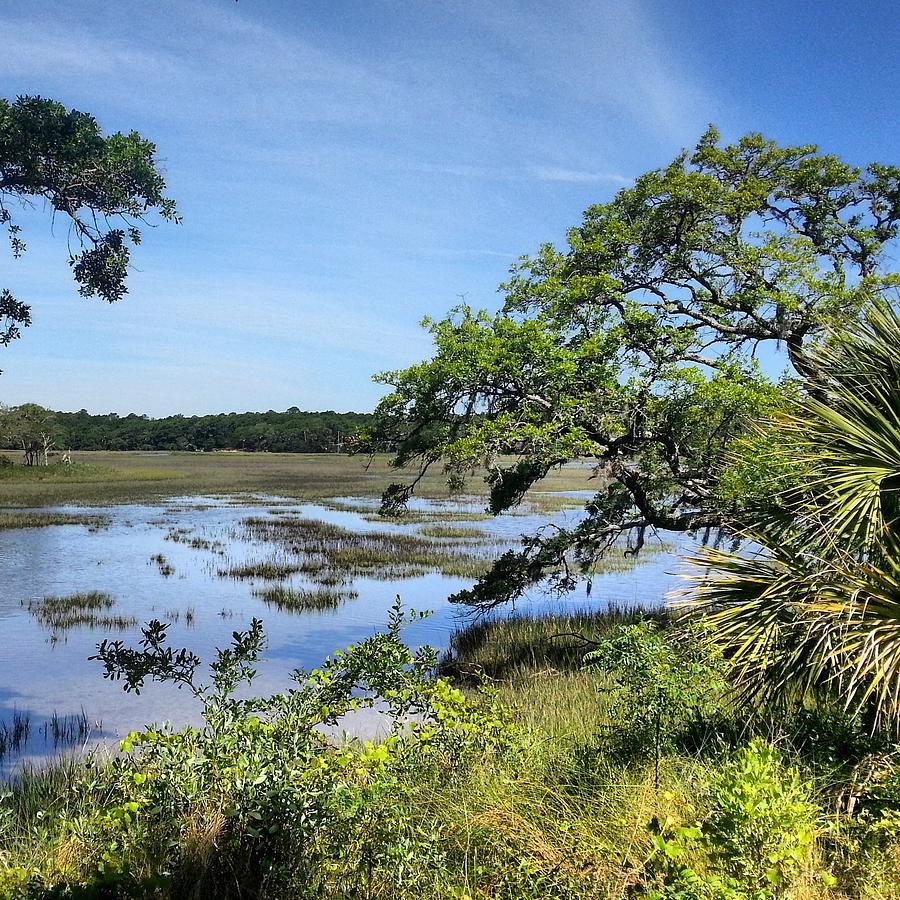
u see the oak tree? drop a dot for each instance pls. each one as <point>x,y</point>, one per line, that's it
<point>106,186</point>
<point>635,347</point>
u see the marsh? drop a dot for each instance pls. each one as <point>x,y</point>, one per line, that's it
<point>320,575</point>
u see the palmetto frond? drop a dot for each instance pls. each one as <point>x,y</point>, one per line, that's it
<point>846,433</point>
<point>814,604</point>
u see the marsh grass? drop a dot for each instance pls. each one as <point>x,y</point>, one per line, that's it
<point>68,730</point>
<point>166,569</point>
<point>88,600</point>
<point>55,472</point>
<point>195,542</point>
<point>424,517</point>
<point>456,532</point>
<point>174,615</point>
<point>305,599</point>
<point>512,647</point>
<point>101,477</point>
<point>14,733</point>
<point>325,548</point>
<point>264,569</point>
<point>11,520</point>
<point>328,578</point>
<point>88,609</point>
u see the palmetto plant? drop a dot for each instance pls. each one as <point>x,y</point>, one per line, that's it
<point>812,604</point>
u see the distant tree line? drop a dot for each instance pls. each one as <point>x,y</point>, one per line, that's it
<point>291,431</point>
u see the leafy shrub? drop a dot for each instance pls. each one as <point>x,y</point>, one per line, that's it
<point>662,683</point>
<point>761,824</point>
<point>754,842</point>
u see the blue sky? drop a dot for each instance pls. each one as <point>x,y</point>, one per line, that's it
<point>344,168</point>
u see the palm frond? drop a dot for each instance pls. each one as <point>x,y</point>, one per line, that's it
<point>813,604</point>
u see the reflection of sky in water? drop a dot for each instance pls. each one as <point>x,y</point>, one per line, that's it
<point>39,677</point>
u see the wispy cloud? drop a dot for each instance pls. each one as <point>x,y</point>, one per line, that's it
<point>572,176</point>
<point>340,175</point>
<point>602,57</point>
<point>524,173</point>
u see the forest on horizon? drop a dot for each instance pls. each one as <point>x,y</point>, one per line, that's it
<point>291,431</point>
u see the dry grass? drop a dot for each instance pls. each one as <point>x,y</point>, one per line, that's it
<point>100,478</point>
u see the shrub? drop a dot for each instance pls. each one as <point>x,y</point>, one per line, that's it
<point>754,842</point>
<point>662,683</point>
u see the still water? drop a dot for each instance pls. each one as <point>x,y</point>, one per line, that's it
<point>46,678</point>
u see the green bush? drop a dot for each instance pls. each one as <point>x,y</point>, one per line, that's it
<point>662,684</point>
<point>753,843</point>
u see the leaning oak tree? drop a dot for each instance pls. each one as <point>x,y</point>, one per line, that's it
<point>105,185</point>
<point>636,347</point>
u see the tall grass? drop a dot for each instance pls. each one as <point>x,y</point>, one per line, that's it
<point>75,610</point>
<point>507,648</point>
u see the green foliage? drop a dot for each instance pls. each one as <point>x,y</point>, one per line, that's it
<point>755,839</point>
<point>762,822</point>
<point>291,431</point>
<point>61,156</point>
<point>635,347</point>
<point>258,800</point>
<point>662,683</point>
<point>31,429</point>
<point>816,609</point>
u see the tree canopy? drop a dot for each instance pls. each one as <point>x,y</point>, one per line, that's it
<point>291,431</point>
<point>105,185</point>
<point>636,346</point>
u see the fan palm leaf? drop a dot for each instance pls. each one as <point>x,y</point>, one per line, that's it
<point>813,602</point>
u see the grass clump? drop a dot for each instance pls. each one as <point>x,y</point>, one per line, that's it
<point>264,569</point>
<point>38,519</point>
<point>305,599</point>
<point>195,542</point>
<point>166,569</point>
<point>89,609</point>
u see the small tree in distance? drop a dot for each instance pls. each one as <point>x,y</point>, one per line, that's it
<point>32,429</point>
